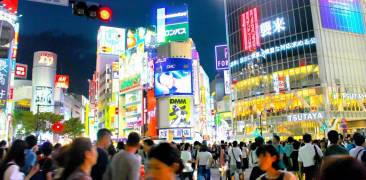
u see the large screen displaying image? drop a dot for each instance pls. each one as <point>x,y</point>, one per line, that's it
<point>173,76</point>
<point>179,112</point>
<point>343,15</point>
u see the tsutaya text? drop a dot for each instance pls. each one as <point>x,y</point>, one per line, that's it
<point>306,116</point>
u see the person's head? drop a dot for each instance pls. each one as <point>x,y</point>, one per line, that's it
<point>268,158</point>
<point>31,141</point>
<point>133,140</point>
<point>120,145</point>
<point>2,143</point>
<point>323,144</point>
<point>253,146</point>
<point>187,147</point>
<point>81,152</point>
<point>16,153</point>
<point>46,149</point>
<point>57,146</point>
<point>290,139</point>
<point>296,145</point>
<point>104,138</point>
<point>259,141</point>
<point>342,167</point>
<point>340,138</point>
<point>196,144</point>
<point>222,142</point>
<point>204,148</point>
<point>147,144</point>
<point>276,139</point>
<point>307,138</point>
<point>235,144</point>
<point>359,139</point>
<point>333,136</point>
<point>164,162</point>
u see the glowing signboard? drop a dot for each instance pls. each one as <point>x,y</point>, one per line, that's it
<point>272,27</point>
<point>306,116</point>
<point>21,71</point>
<point>111,40</point>
<point>222,60</point>
<point>179,112</point>
<point>62,81</point>
<point>4,78</point>
<point>172,24</point>
<point>249,29</point>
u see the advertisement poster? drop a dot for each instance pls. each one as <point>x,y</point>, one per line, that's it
<point>133,108</point>
<point>4,79</point>
<point>177,133</point>
<point>249,24</point>
<point>227,82</point>
<point>172,24</point>
<point>179,112</point>
<point>131,70</point>
<point>342,15</point>
<point>173,76</point>
<point>151,113</point>
<point>44,98</point>
<point>111,40</point>
<point>222,60</point>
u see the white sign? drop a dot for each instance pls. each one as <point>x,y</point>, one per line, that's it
<point>53,2</point>
<point>174,32</point>
<point>177,133</point>
<point>227,82</point>
<point>271,27</point>
<point>351,96</point>
<point>306,116</point>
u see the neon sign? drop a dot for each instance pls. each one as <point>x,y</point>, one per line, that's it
<point>306,116</point>
<point>272,27</point>
<point>264,52</point>
<point>249,30</point>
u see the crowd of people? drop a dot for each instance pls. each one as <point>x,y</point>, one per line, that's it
<point>336,157</point>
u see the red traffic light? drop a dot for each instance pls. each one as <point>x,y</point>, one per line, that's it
<point>105,14</point>
<point>58,127</point>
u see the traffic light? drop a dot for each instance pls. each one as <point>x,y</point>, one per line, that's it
<point>93,11</point>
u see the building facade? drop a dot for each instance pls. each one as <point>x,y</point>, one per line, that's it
<point>297,66</point>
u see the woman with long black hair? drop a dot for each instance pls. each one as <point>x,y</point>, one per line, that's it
<point>82,156</point>
<point>14,160</point>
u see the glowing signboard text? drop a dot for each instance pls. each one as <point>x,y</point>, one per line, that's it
<point>271,27</point>
<point>249,30</point>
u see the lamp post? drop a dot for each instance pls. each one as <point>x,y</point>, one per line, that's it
<point>260,122</point>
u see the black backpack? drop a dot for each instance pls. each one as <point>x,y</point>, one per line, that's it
<point>363,156</point>
<point>4,168</point>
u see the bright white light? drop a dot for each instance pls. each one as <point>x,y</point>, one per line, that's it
<point>279,25</point>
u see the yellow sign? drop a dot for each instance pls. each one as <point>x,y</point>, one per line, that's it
<point>179,112</point>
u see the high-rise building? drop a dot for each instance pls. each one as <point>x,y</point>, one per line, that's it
<point>297,66</point>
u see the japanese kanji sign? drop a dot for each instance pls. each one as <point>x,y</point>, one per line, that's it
<point>4,78</point>
<point>249,28</point>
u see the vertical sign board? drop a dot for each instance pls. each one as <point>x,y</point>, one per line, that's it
<point>227,82</point>
<point>249,28</point>
<point>179,112</point>
<point>172,23</point>
<point>4,81</point>
<point>221,55</point>
<point>21,71</point>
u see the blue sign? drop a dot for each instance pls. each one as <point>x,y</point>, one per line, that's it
<point>176,15</point>
<point>173,76</point>
<point>342,15</point>
<point>4,78</point>
<point>222,60</point>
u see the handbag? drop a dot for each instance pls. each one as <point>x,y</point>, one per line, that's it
<point>238,163</point>
<point>317,158</point>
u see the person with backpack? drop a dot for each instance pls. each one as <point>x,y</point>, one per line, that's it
<point>45,163</point>
<point>14,161</point>
<point>334,148</point>
<point>309,158</point>
<point>359,150</point>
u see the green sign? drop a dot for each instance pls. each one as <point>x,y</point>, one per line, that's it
<point>177,32</point>
<point>130,82</point>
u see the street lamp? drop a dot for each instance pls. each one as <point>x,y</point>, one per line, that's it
<point>260,122</point>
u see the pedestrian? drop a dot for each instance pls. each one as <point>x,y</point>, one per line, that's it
<point>294,158</point>
<point>3,150</point>
<point>165,162</point>
<point>204,161</point>
<point>30,153</point>
<point>60,161</point>
<point>235,160</point>
<point>215,155</point>
<point>341,167</point>
<point>45,163</point>
<point>288,148</point>
<point>277,145</point>
<point>195,151</point>
<point>147,145</point>
<point>244,155</point>
<point>111,150</point>
<point>14,161</point>
<point>323,145</point>
<point>309,157</point>
<point>81,157</point>
<point>256,171</point>
<point>120,146</point>
<point>126,164</point>
<point>223,159</point>
<point>269,162</point>
<point>359,150</point>
<point>104,139</point>
<point>334,148</point>
<point>186,157</point>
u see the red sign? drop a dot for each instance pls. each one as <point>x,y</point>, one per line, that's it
<point>62,81</point>
<point>282,83</point>
<point>249,28</point>
<point>21,70</point>
<point>11,5</point>
<point>151,112</point>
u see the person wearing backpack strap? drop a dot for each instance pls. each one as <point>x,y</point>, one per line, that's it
<point>14,160</point>
<point>359,150</point>
<point>308,155</point>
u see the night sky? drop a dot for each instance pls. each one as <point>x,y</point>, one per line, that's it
<point>73,38</point>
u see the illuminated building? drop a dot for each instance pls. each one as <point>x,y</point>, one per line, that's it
<point>297,66</point>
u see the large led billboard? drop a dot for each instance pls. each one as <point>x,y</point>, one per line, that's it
<point>343,15</point>
<point>173,76</point>
<point>179,112</point>
<point>172,23</point>
<point>111,40</point>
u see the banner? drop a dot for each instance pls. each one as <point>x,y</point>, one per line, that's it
<point>179,112</point>
<point>62,81</point>
<point>4,79</point>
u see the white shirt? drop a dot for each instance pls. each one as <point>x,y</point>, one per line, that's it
<point>244,152</point>
<point>203,158</point>
<point>234,154</point>
<point>253,159</point>
<point>13,173</point>
<point>357,150</point>
<point>307,154</point>
<point>186,156</point>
